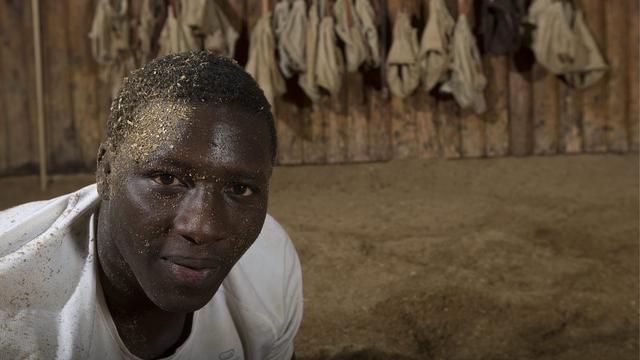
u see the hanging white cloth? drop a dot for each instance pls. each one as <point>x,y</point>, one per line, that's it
<point>467,82</point>
<point>435,45</point>
<point>290,26</point>
<point>109,33</point>
<point>403,72</point>
<point>150,15</point>
<point>348,29</point>
<point>176,36</point>
<point>111,42</point>
<point>262,60</point>
<point>308,79</point>
<point>330,63</point>
<point>563,44</point>
<point>367,24</point>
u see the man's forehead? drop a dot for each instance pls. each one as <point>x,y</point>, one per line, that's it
<point>195,133</point>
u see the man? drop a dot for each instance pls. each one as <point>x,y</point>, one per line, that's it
<point>172,253</point>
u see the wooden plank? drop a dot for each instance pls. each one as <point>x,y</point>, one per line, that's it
<point>520,120</point>
<point>497,118</point>
<point>314,145</point>
<point>594,106</point>
<point>338,124</point>
<point>617,40</point>
<point>545,111</point>
<point>427,125</point>
<point>570,115</point>
<point>18,69</point>
<point>288,126</point>
<point>379,127</point>
<point>634,76</point>
<point>4,121</point>
<point>64,154</point>
<point>449,128</point>
<point>403,128</point>
<point>472,134</point>
<point>84,98</point>
<point>358,131</point>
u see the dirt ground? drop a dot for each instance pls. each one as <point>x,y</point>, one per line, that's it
<point>516,258</point>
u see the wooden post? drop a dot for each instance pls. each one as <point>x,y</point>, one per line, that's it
<point>617,39</point>
<point>37,47</point>
<point>448,124</point>
<point>472,125</point>
<point>84,97</point>
<point>426,125</point>
<point>379,126</point>
<point>545,111</point>
<point>594,114</point>
<point>497,118</point>
<point>314,147</point>
<point>358,131</point>
<point>520,121</point>
<point>18,69</point>
<point>634,76</point>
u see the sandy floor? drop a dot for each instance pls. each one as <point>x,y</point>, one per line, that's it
<point>474,259</point>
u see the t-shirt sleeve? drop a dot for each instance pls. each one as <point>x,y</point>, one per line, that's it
<point>293,304</point>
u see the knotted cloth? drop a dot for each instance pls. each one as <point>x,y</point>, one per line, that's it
<point>403,74</point>
<point>467,81</point>
<point>262,60</point>
<point>563,44</point>
<point>434,57</point>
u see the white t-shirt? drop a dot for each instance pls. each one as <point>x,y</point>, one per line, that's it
<point>51,303</point>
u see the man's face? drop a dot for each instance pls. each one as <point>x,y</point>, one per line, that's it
<point>187,197</point>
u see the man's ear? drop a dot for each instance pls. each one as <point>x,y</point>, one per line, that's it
<point>103,172</point>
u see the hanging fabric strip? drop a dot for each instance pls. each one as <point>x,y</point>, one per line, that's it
<point>467,82</point>
<point>403,71</point>
<point>307,80</point>
<point>330,63</point>
<point>435,45</point>
<point>262,60</point>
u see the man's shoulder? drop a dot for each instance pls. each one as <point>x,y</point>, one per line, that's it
<point>23,223</point>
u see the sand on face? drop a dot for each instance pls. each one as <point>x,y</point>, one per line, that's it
<point>496,259</point>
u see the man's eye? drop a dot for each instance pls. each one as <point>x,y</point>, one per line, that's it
<point>166,179</point>
<point>241,190</point>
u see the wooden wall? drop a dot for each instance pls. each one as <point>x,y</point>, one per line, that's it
<point>530,112</point>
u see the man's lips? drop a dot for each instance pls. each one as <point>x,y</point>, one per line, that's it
<point>193,263</point>
<point>188,269</point>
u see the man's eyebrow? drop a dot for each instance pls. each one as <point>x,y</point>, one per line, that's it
<point>233,171</point>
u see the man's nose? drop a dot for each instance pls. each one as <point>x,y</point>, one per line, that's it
<point>201,217</point>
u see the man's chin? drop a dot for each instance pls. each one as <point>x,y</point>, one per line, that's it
<point>183,301</point>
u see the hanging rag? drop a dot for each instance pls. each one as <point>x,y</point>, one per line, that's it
<point>467,82</point>
<point>435,45</point>
<point>111,42</point>
<point>590,65</point>
<point>365,15</point>
<point>500,25</point>
<point>308,79</point>
<point>330,63</point>
<point>176,35</point>
<point>262,60</point>
<point>403,74</point>
<point>206,19</point>
<point>349,30</point>
<point>290,26</point>
<point>563,44</point>
<point>150,17</point>
<point>109,33</point>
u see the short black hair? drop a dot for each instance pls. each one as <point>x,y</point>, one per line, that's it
<point>194,77</point>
